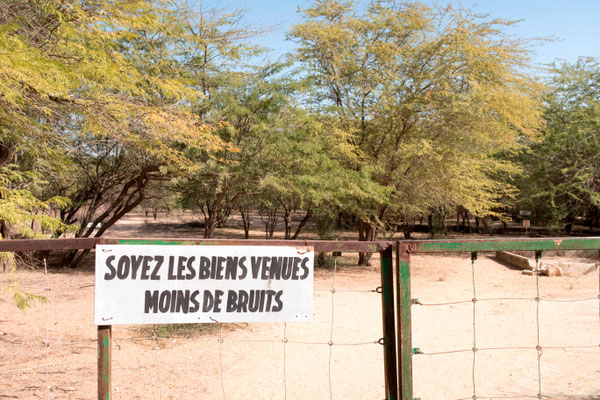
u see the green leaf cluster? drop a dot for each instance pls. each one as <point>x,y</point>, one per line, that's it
<point>426,96</point>
<point>562,170</point>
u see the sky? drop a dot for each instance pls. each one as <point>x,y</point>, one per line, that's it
<point>573,24</point>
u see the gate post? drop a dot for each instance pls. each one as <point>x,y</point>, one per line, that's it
<point>104,362</point>
<point>389,328</point>
<point>403,310</point>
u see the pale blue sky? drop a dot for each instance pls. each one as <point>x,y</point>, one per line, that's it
<point>575,23</point>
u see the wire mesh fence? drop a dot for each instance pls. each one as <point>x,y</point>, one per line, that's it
<point>50,350</point>
<point>511,336</point>
<point>483,331</point>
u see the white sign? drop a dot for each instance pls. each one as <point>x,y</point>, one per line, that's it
<point>525,212</point>
<point>145,284</point>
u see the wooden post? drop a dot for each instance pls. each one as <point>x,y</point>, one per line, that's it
<point>104,362</point>
<point>389,328</point>
<point>403,308</point>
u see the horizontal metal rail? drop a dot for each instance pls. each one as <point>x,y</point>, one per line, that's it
<point>90,243</point>
<point>319,245</point>
<point>47,244</point>
<point>508,244</point>
<point>416,246</point>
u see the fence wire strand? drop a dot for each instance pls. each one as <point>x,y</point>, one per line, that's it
<point>540,350</point>
<point>538,256</point>
<point>473,259</point>
<point>157,362</point>
<point>161,346</point>
<point>284,340</point>
<point>221,357</point>
<point>47,343</point>
<point>332,325</point>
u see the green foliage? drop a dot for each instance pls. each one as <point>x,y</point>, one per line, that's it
<point>424,97</point>
<point>562,170</point>
<point>23,299</point>
<point>169,331</point>
<point>99,99</point>
<point>21,210</point>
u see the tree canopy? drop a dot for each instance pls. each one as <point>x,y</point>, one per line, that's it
<point>384,113</point>
<point>426,97</point>
<point>562,171</point>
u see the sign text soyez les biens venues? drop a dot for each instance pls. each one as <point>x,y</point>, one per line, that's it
<point>167,284</point>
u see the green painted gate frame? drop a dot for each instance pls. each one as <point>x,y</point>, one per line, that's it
<point>404,249</point>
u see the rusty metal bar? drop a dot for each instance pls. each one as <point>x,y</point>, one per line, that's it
<point>104,362</point>
<point>90,243</point>
<point>512,244</point>
<point>389,326</point>
<point>403,320</point>
<point>47,244</point>
<point>319,245</point>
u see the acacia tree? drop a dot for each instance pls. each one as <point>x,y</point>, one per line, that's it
<point>297,163</point>
<point>242,114</point>
<point>425,97</point>
<point>100,89</point>
<point>562,171</point>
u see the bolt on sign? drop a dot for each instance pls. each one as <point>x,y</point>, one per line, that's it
<point>145,284</point>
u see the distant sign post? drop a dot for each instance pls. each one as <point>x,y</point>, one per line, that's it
<point>526,224</point>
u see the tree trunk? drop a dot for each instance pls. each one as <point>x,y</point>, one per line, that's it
<point>407,230</point>
<point>269,217</point>
<point>126,202</point>
<point>468,222</point>
<point>287,221</point>
<point>6,264</point>
<point>366,232</point>
<point>271,229</point>
<point>209,225</point>
<point>301,225</point>
<point>458,219</point>
<point>246,220</point>
<point>270,224</point>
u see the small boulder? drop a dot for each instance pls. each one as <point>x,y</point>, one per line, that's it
<point>551,270</point>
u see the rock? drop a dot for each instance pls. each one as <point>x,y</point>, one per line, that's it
<point>527,272</point>
<point>551,270</point>
<point>592,268</point>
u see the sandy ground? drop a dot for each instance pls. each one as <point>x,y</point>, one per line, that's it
<point>256,364</point>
